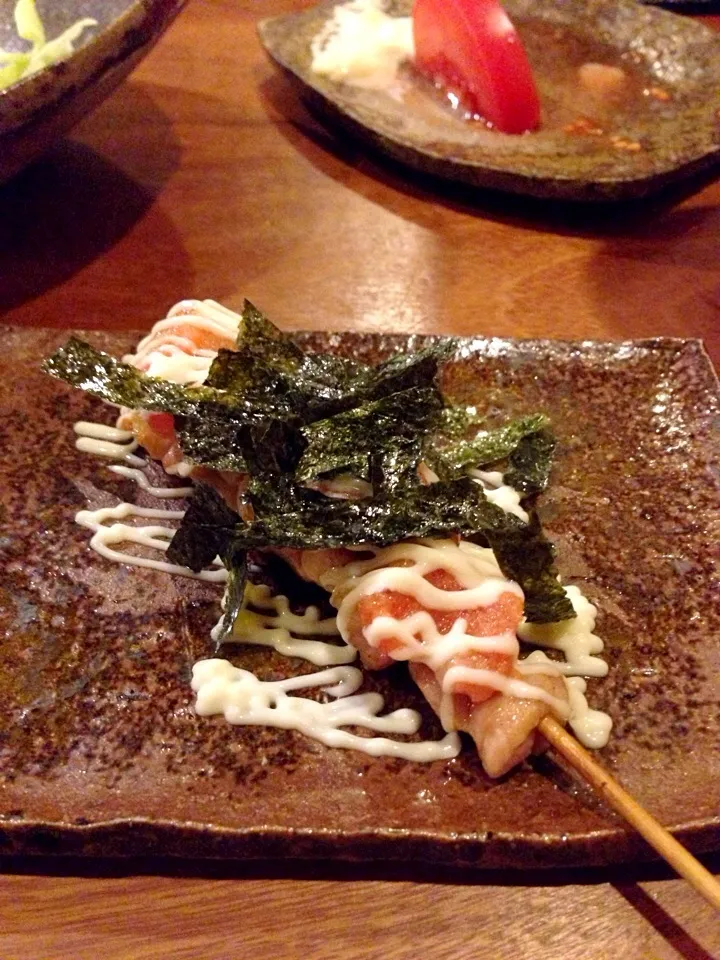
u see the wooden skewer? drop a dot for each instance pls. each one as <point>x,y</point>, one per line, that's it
<point>621,801</point>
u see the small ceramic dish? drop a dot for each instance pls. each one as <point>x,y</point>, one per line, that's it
<point>36,111</point>
<point>666,126</point>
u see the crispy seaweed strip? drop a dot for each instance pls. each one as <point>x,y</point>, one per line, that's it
<point>268,409</point>
<point>488,446</point>
<point>213,441</point>
<point>405,371</point>
<point>316,385</point>
<point>525,555</point>
<point>80,365</point>
<point>207,530</point>
<point>235,560</point>
<point>287,516</point>
<point>266,360</point>
<point>380,440</point>
<point>531,461</point>
<point>457,420</point>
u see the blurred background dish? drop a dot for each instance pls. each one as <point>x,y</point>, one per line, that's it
<point>664,130</point>
<point>37,110</point>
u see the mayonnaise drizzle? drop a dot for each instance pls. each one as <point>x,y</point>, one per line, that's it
<point>418,638</point>
<point>273,624</point>
<point>162,493</point>
<point>591,727</point>
<point>499,493</point>
<point>155,536</point>
<point>173,356</point>
<point>474,568</point>
<point>574,638</point>
<point>103,441</point>
<point>242,698</point>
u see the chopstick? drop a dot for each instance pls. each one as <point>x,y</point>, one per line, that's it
<point>621,801</point>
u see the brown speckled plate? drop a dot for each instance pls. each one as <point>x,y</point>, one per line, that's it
<point>101,753</point>
<point>659,137</point>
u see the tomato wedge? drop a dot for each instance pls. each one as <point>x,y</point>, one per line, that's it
<point>471,48</point>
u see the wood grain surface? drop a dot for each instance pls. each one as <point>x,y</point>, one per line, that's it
<point>204,175</point>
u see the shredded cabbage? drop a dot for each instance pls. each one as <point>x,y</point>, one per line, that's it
<point>16,66</point>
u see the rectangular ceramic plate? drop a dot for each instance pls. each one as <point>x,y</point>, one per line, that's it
<point>101,753</point>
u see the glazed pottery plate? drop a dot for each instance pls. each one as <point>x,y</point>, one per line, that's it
<point>101,752</point>
<point>663,125</point>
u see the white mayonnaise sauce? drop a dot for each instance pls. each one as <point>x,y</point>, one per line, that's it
<point>245,699</point>
<point>273,624</point>
<point>361,45</point>
<point>156,537</point>
<point>103,441</point>
<point>242,698</point>
<point>174,355</point>
<point>162,493</point>
<point>574,638</point>
<point>499,493</point>
<point>591,727</point>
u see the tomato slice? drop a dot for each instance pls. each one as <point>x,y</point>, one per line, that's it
<point>472,49</point>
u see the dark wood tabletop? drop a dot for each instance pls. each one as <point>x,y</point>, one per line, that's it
<point>205,176</point>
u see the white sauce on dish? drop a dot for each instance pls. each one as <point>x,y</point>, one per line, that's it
<point>156,537</point>
<point>272,624</point>
<point>363,46</point>
<point>577,642</point>
<point>174,356</point>
<point>162,493</point>
<point>499,493</point>
<point>573,638</point>
<point>591,727</point>
<point>242,698</point>
<point>103,441</point>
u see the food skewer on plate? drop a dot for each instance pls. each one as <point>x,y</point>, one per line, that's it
<point>359,478</point>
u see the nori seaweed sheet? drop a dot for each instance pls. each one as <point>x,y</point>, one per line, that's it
<point>286,418</point>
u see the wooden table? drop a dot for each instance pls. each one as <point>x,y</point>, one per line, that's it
<point>204,176</point>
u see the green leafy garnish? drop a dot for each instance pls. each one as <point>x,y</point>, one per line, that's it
<point>207,530</point>
<point>235,559</point>
<point>525,555</point>
<point>531,461</point>
<point>17,65</point>
<point>109,379</point>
